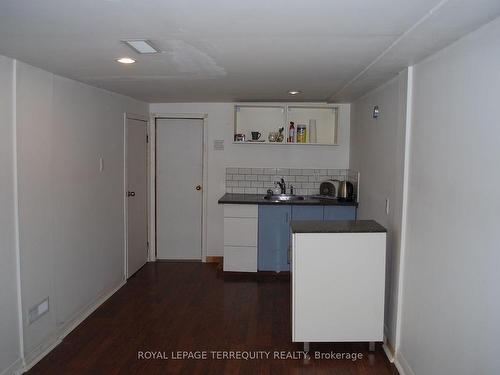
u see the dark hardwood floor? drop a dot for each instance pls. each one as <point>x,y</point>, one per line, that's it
<point>171,307</point>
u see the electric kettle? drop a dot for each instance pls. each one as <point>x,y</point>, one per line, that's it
<point>345,191</point>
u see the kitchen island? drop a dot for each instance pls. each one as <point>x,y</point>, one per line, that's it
<point>338,281</point>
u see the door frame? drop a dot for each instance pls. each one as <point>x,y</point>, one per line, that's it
<point>152,174</point>
<point>133,116</point>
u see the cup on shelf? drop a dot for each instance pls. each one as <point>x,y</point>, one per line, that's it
<point>255,136</point>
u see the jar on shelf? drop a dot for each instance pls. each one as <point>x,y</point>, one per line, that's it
<point>301,133</point>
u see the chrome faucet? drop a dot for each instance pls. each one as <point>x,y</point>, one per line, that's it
<point>282,185</point>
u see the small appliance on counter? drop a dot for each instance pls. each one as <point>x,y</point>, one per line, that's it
<point>345,191</point>
<point>329,188</point>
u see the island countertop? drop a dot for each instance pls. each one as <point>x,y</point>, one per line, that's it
<point>337,226</point>
<point>235,198</point>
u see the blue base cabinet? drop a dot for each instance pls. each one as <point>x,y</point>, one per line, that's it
<point>339,213</point>
<point>274,236</point>
<point>274,239</point>
<point>307,212</point>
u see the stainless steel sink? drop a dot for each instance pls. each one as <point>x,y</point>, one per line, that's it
<point>283,198</point>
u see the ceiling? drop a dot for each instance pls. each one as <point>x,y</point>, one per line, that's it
<point>236,50</point>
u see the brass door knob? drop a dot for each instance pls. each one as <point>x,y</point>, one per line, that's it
<point>198,187</point>
<point>131,194</point>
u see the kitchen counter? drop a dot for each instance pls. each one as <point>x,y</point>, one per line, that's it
<point>337,226</point>
<point>259,199</point>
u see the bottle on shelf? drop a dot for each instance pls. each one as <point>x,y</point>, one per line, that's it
<point>291,132</point>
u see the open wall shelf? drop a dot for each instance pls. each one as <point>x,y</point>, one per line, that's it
<point>319,121</point>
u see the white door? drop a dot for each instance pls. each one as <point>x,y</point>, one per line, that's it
<point>179,176</point>
<point>136,191</point>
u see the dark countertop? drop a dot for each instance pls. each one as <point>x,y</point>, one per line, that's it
<point>337,226</point>
<point>259,199</point>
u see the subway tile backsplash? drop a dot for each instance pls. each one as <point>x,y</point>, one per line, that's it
<point>304,181</point>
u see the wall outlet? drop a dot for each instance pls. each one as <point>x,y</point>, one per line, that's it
<point>37,311</point>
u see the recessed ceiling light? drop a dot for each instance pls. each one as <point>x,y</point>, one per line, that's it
<point>142,46</point>
<point>126,60</point>
<point>293,92</point>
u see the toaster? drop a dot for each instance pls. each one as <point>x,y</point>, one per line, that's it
<point>329,188</point>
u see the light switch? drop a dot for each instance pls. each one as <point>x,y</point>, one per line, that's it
<point>38,311</point>
<point>101,164</point>
<point>43,307</point>
<point>387,206</point>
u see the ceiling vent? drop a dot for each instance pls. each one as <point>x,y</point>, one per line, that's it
<point>142,46</point>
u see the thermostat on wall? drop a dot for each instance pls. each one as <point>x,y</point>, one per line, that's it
<point>218,145</point>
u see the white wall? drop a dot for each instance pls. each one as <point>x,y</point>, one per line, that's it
<point>9,333</point>
<point>70,214</point>
<point>377,152</point>
<point>451,294</point>
<point>221,126</point>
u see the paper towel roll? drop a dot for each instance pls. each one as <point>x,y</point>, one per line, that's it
<point>312,131</point>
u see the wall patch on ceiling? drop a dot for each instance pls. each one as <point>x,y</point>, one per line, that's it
<point>191,62</point>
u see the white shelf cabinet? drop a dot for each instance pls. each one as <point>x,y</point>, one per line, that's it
<point>240,237</point>
<point>338,283</point>
<point>266,118</point>
<point>326,122</point>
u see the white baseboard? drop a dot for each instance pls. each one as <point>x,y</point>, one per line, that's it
<point>388,352</point>
<point>89,309</point>
<point>35,355</point>
<point>402,366</point>
<point>13,368</point>
<point>45,348</point>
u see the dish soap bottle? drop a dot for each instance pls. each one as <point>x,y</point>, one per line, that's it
<point>291,132</point>
<point>276,189</point>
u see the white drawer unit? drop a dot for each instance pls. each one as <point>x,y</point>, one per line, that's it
<point>240,231</point>
<point>240,237</point>
<point>240,258</point>
<point>241,210</point>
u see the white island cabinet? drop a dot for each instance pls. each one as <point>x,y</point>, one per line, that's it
<point>338,281</point>
<point>240,237</point>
